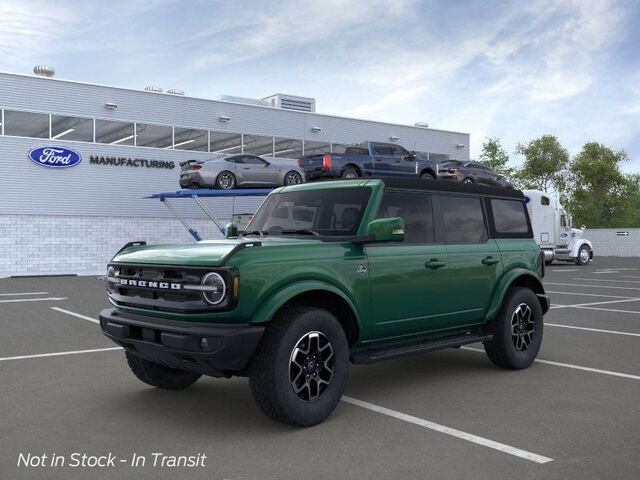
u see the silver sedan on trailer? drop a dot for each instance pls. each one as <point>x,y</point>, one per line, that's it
<point>240,170</point>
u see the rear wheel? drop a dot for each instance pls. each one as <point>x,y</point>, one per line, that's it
<point>428,176</point>
<point>584,255</point>
<point>468,180</point>
<point>292,178</point>
<point>225,180</point>
<point>300,369</point>
<point>516,329</point>
<point>350,173</point>
<point>158,375</point>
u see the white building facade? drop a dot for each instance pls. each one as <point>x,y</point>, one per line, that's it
<point>129,144</point>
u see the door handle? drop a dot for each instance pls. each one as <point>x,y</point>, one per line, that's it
<point>490,260</point>
<point>434,263</point>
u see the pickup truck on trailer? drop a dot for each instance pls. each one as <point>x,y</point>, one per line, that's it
<point>367,159</point>
<point>327,274</point>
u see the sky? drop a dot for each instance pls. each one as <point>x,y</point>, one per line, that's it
<point>509,69</point>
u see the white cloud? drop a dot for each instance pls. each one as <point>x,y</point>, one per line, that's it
<point>30,28</point>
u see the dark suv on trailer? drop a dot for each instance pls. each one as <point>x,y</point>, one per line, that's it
<point>328,274</point>
<point>471,172</point>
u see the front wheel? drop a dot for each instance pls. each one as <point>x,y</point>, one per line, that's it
<point>584,255</point>
<point>158,375</point>
<point>516,329</point>
<point>300,369</point>
<point>292,178</point>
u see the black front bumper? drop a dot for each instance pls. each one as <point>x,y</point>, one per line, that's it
<point>209,349</point>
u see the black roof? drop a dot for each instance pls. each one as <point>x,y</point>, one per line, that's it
<point>449,186</point>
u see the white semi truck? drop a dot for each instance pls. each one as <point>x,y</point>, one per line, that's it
<point>552,230</point>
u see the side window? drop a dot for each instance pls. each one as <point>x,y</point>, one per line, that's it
<point>415,210</point>
<point>381,150</point>
<point>509,216</point>
<point>234,160</point>
<point>251,160</point>
<point>463,219</point>
<point>397,151</point>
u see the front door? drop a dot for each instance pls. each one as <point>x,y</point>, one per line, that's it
<point>475,262</point>
<point>409,280</point>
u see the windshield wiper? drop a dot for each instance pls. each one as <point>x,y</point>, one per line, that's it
<point>255,232</point>
<point>302,231</point>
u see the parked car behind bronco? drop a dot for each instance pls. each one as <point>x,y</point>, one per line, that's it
<point>329,274</point>
<point>368,159</point>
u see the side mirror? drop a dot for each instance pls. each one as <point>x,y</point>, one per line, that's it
<point>583,227</point>
<point>386,230</point>
<point>410,156</point>
<point>231,230</point>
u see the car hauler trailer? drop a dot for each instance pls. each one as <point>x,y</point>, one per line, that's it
<point>553,231</point>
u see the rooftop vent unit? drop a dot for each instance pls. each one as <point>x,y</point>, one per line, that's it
<point>292,102</point>
<point>153,88</point>
<point>44,71</point>
<point>175,91</point>
<point>244,100</point>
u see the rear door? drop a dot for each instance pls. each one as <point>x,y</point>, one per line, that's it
<point>474,262</point>
<point>409,280</point>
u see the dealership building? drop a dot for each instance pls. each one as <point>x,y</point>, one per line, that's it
<point>127,144</point>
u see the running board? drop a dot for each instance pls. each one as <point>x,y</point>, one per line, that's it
<point>368,357</point>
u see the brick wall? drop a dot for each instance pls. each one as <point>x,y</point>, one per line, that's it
<point>52,245</point>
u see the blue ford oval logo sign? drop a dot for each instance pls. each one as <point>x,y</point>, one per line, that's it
<point>55,157</point>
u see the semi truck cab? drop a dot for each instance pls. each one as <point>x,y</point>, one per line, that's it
<point>553,231</point>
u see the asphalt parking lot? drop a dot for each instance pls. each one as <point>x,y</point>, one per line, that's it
<point>575,414</point>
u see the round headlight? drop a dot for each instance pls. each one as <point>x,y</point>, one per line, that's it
<point>111,272</point>
<point>217,288</point>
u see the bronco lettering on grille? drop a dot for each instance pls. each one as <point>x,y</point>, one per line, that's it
<point>150,284</point>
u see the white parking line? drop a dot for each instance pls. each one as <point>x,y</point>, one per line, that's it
<point>610,310</point>
<point>629,276</point>
<point>546,324</point>
<point>74,314</point>
<point>569,270</point>
<point>577,305</point>
<point>606,280</point>
<point>23,293</point>
<point>57,354</point>
<point>48,299</point>
<point>485,442</point>
<point>569,365</point>
<point>592,286</point>
<point>606,272</point>
<point>588,294</point>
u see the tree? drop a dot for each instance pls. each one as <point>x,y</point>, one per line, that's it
<point>495,157</point>
<point>602,196</point>
<point>545,164</point>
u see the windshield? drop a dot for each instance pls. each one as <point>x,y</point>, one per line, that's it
<point>326,212</point>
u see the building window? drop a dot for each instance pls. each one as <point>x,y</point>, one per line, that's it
<point>227,143</point>
<point>71,128</point>
<point>287,148</point>
<point>257,145</point>
<point>190,139</point>
<point>316,148</point>
<point>338,147</point>
<point>114,133</point>
<point>26,124</point>
<point>157,136</point>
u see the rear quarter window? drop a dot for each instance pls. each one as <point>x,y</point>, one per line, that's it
<point>510,218</point>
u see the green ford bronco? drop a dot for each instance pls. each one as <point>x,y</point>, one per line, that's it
<point>328,274</point>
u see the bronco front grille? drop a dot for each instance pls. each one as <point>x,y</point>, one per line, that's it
<point>162,288</point>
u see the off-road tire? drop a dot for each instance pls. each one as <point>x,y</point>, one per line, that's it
<point>581,255</point>
<point>158,375</point>
<point>269,369</point>
<point>501,350</point>
<point>350,173</point>
<point>220,180</point>
<point>428,176</point>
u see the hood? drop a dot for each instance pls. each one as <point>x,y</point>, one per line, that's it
<point>211,253</point>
